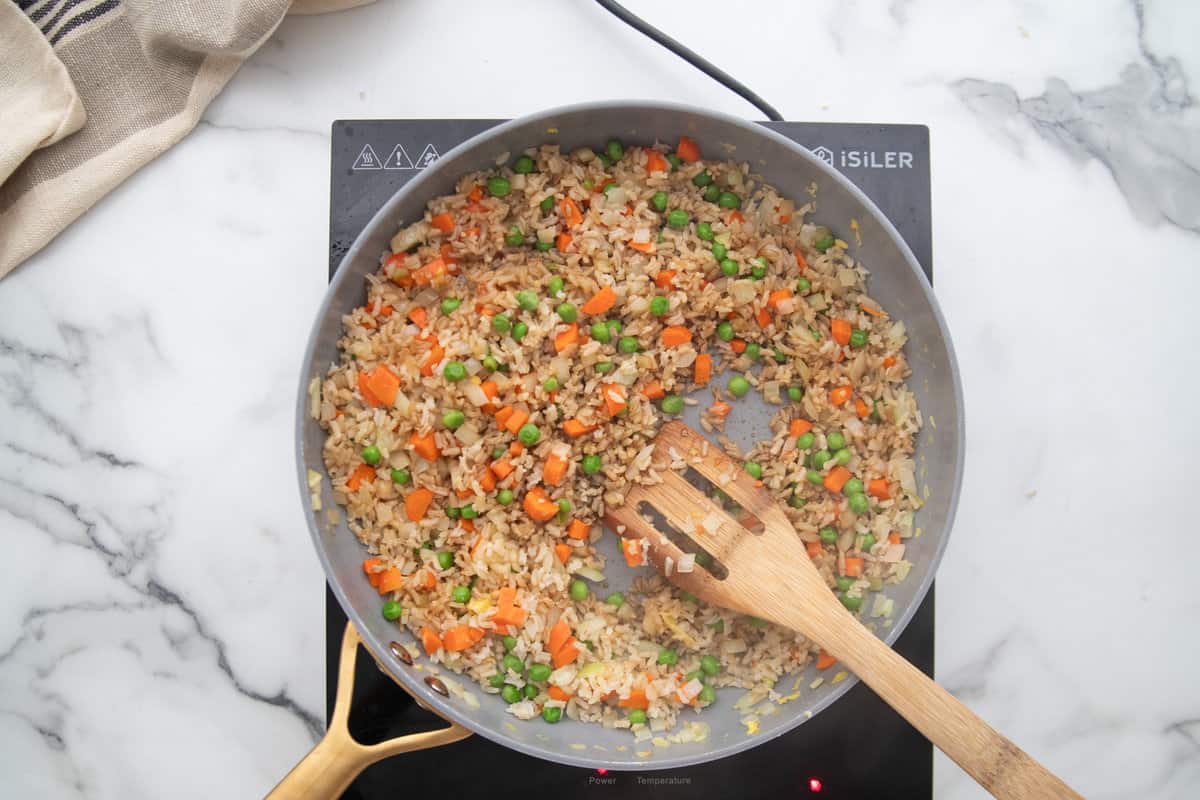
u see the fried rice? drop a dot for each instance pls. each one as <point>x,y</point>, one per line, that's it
<point>503,383</point>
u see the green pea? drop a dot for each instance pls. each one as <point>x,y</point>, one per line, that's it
<point>510,693</point>
<point>804,441</point>
<point>824,243</point>
<point>391,610</point>
<point>719,250</point>
<point>729,267</point>
<point>803,285</point>
<point>628,344</point>
<point>514,664</point>
<point>672,404</point>
<point>738,386</point>
<point>674,161</point>
<point>449,305</point>
<point>529,434</point>
<point>852,486</point>
<point>704,231</point>
<point>858,338</point>
<point>453,418</point>
<point>504,497</point>
<point>604,367</point>
<point>729,200</point>
<point>527,299</point>
<point>677,219</point>
<point>539,672</point>
<point>529,691</point>
<point>501,324</point>
<point>498,186</point>
<point>844,582</point>
<point>637,716</point>
<point>445,558</point>
<point>543,246</point>
<point>616,599</point>
<point>821,459</point>
<point>515,237</point>
<point>591,464</point>
<point>496,681</point>
<point>509,643</point>
<point>659,201</point>
<point>725,331</point>
<point>828,535</point>
<point>814,477</point>
<point>519,330</point>
<point>523,165</point>
<point>842,457</point>
<point>758,272</point>
<point>851,603</point>
<point>490,363</point>
<point>868,542</point>
<point>752,351</point>
<point>859,503</point>
<point>614,149</point>
<point>660,306</point>
<point>468,512</point>
<point>752,469</point>
<point>708,695</point>
<point>796,501</point>
<point>461,594</point>
<point>667,656</point>
<point>564,511</point>
<point>401,476</point>
<point>600,332</point>
<point>836,440</point>
<point>579,590</point>
<point>547,203</point>
<point>702,179</point>
<point>795,394</point>
<point>712,193</point>
<point>555,285</point>
<point>371,455</point>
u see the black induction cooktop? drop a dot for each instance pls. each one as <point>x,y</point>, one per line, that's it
<point>857,748</point>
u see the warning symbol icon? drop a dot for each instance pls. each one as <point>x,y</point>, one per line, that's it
<point>428,156</point>
<point>367,159</point>
<point>398,159</point>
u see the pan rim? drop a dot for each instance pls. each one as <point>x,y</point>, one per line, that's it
<point>378,648</point>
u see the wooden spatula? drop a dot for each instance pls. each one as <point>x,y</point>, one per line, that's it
<point>771,576</point>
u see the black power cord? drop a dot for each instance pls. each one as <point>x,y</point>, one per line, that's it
<point>720,76</point>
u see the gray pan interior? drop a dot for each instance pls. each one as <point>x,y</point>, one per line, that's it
<point>896,281</point>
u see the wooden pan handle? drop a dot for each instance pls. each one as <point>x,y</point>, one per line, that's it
<point>331,766</point>
<point>993,761</point>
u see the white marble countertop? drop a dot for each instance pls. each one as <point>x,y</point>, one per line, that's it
<point>161,623</point>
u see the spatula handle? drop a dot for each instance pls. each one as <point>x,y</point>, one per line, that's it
<point>993,761</point>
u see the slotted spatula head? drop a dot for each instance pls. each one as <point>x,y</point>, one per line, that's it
<point>759,572</point>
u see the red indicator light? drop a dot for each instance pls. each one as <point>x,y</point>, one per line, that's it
<point>814,785</point>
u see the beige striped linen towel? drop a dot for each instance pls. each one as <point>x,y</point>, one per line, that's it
<point>92,90</point>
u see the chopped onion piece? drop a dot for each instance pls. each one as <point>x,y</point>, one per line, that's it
<point>591,573</point>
